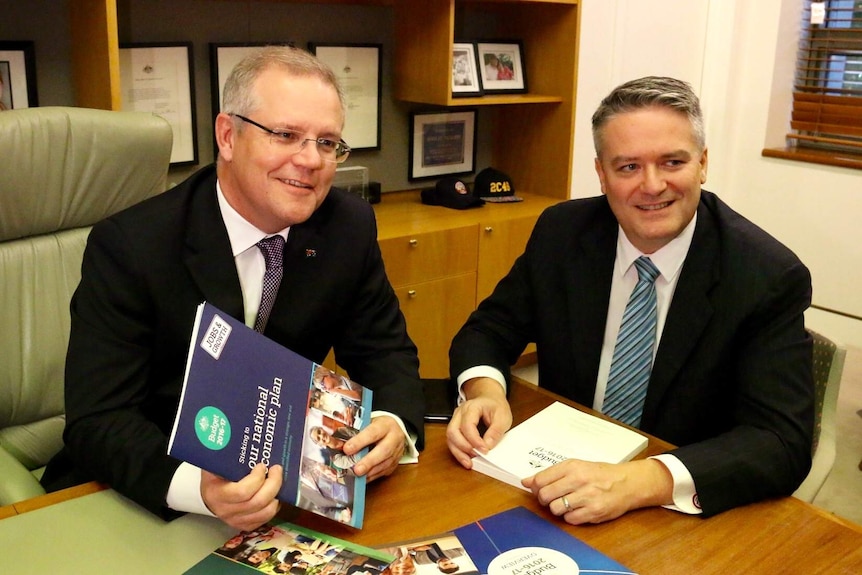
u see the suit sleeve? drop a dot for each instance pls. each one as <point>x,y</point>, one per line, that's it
<point>767,450</point>
<point>500,328</point>
<point>108,434</point>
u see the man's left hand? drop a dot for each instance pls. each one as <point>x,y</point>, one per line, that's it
<point>388,439</point>
<point>588,492</point>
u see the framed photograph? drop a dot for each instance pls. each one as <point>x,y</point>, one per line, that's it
<point>223,57</point>
<point>157,78</point>
<point>442,143</point>
<point>502,67</point>
<point>17,76</point>
<point>465,70</point>
<point>357,67</point>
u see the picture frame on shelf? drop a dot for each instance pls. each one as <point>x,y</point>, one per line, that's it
<point>18,75</point>
<point>223,57</point>
<point>502,67</point>
<point>442,143</point>
<point>466,80</point>
<point>158,78</point>
<point>357,67</point>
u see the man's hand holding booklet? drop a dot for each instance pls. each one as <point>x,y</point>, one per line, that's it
<point>554,434</point>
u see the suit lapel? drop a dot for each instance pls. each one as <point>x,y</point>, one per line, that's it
<point>590,275</point>
<point>207,251</point>
<point>690,312</point>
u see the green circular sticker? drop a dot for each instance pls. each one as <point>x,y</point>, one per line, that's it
<point>213,428</point>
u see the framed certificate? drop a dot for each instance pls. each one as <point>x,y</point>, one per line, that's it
<point>442,143</point>
<point>157,78</point>
<point>357,67</point>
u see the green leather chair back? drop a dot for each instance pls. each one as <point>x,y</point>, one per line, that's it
<point>63,169</point>
<point>828,364</point>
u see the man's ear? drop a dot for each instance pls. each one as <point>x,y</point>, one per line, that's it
<point>225,134</point>
<point>704,164</point>
<point>601,173</point>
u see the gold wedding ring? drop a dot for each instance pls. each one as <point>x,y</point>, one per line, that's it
<point>566,504</point>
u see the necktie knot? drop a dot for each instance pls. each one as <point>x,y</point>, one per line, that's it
<point>647,272</point>
<point>272,249</point>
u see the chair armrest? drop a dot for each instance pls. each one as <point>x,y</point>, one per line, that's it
<point>18,483</point>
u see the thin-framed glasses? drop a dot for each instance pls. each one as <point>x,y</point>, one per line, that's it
<point>293,142</point>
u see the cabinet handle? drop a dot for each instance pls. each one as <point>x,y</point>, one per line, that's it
<point>489,229</point>
<point>411,293</point>
<point>413,242</point>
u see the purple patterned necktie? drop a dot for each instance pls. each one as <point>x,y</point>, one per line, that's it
<point>272,249</point>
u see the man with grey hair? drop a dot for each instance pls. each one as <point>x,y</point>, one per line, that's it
<point>718,361</point>
<point>146,270</point>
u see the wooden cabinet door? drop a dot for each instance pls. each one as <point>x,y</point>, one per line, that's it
<point>425,256</point>
<point>500,244</point>
<point>435,311</point>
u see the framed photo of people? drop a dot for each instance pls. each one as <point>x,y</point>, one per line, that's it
<point>442,143</point>
<point>502,67</point>
<point>357,67</point>
<point>465,70</point>
<point>157,78</point>
<point>17,75</point>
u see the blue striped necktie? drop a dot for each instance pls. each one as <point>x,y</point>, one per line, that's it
<point>632,361</point>
<point>272,249</point>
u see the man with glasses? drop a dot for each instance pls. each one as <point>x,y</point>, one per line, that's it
<point>146,270</point>
<point>724,355</point>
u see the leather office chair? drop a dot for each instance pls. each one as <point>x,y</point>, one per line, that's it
<point>828,367</point>
<point>62,170</point>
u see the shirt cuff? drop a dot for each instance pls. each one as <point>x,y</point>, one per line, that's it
<point>684,492</point>
<point>184,492</point>
<point>479,371</point>
<point>411,454</point>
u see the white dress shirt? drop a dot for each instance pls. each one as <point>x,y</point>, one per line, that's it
<point>184,493</point>
<point>669,260</point>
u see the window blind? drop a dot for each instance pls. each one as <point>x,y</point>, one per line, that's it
<point>827,91</point>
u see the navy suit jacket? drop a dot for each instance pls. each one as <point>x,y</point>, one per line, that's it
<point>145,271</point>
<point>732,379</point>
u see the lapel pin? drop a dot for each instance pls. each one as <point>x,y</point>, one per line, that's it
<point>310,253</point>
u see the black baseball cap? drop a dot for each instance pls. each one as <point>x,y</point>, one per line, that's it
<point>492,185</point>
<point>452,193</point>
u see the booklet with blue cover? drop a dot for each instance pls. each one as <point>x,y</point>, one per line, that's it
<point>519,542</point>
<point>248,400</point>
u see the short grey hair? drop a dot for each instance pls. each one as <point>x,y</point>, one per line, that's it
<point>645,93</point>
<point>239,96</point>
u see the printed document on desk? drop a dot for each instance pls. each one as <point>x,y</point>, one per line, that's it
<point>289,548</point>
<point>519,542</point>
<point>248,400</point>
<point>557,433</point>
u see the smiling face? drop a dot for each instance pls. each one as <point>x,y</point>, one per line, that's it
<point>651,169</point>
<point>269,188</point>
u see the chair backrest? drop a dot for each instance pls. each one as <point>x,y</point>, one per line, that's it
<point>63,169</point>
<point>828,368</point>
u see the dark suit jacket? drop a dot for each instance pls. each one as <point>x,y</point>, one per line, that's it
<point>146,269</point>
<point>732,378</point>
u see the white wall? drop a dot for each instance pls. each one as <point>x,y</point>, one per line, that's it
<point>739,57</point>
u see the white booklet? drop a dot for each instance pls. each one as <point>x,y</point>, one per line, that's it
<point>552,435</point>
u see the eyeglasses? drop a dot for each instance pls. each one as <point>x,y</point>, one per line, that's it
<point>293,142</point>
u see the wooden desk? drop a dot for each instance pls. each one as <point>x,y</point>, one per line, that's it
<point>103,532</point>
